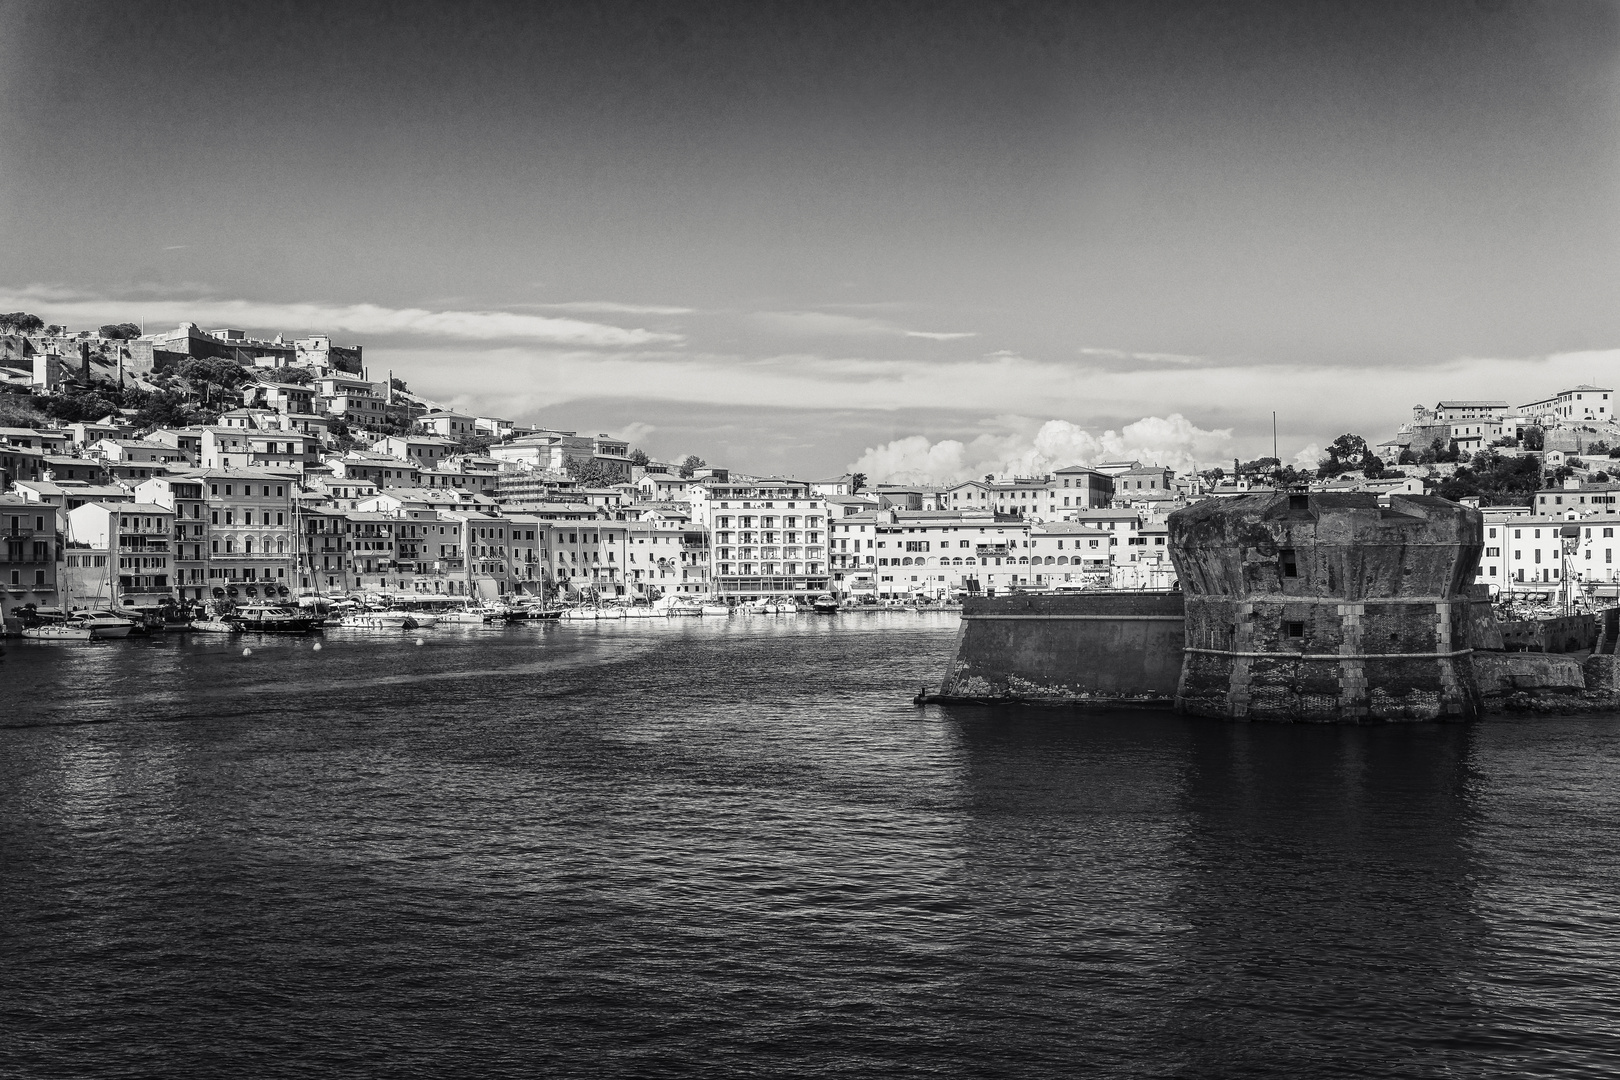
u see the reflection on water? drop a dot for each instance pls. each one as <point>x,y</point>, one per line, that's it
<point>734,847</point>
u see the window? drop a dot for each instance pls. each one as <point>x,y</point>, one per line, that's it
<point>1296,630</point>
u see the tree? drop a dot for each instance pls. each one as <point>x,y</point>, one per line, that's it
<point>399,384</point>
<point>20,322</point>
<point>124,331</point>
<point>856,482</point>
<point>597,473</point>
<point>691,465</point>
<point>1534,438</point>
<point>1347,453</point>
<point>295,376</point>
<point>639,457</point>
<point>1495,480</point>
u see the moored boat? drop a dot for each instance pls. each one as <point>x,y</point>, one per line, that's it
<point>57,632</point>
<point>273,619</point>
<point>716,609</point>
<point>103,625</point>
<point>379,620</point>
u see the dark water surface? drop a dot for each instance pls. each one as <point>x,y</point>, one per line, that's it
<point>734,848</point>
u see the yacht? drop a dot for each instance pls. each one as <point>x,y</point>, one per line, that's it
<point>381,620</point>
<point>101,624</point>
<point>273,619</point>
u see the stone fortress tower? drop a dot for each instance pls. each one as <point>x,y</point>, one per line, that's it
<point>1327,607</point>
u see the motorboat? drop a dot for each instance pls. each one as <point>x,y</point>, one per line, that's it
<point>824,605</point>
<point>756,607</point>
<point>464,615</point>
<point>57,632</point>
<point>273,619</point>
<point>716,609</point>
<point>214,626</point>
<point>102,625</point>
<point>380,620</point>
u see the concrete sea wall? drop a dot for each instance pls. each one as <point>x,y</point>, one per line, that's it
<point>1094,648</point>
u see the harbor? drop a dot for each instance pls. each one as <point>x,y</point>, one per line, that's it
<point>754,803</point>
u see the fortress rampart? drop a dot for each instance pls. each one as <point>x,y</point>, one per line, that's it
<point>1327,607</point>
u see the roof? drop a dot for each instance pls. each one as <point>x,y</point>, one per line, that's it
<point>1472,405</point>
<point>127,508</point>
<point>1066,528</point>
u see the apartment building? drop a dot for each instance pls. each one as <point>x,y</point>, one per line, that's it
<point>30,554</point>
<point>937,554</point>
<point>251,539</point>
<point>183,497</point>
<point>665,558</point>
<point>768,537</point>
<point>119,554</point>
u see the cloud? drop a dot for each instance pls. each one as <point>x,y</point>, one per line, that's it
<point>359,319</point>
<point>610,307</point>
<point>1309,458</point>
<point>1172,441</point>
<point>635,432</point>
<point>827,324</point>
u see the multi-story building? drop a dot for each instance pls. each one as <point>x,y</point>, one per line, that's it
<point>447,425</point>
<point>119,554</point>
<point>372,554</point>
<point>937,554</point>
<point>324,563</point>
<point>1581,402</point>
<point>1468,412</point>
<point>383,470</point>
<point>423,451</point>
<point>183,497</point>
<point>1526,553</point>
<point>768,536</point>
<point>665,558</point>
<point>30,554</point>
<point>251,540</point>
<point>359,402</point>
<point>289,452</point>
<point>321,356</point>
<point>588,557</point>
<point>1585,500</point>
<point>283,398</point>
<point>528,542</point>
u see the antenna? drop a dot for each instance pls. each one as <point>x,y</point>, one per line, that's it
<point>1274,438</point>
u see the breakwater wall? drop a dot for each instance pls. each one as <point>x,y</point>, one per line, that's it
<point>1091,648</point>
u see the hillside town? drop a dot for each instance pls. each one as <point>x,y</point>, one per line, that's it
<point>166,470</point>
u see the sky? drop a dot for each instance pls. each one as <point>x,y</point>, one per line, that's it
<point>924,240</point>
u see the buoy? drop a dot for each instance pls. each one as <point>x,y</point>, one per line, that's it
<point>419,641</point>
<point>247,652</point>
<point>317,646</point>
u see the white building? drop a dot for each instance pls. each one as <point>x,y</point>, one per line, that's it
<point>937,554</point>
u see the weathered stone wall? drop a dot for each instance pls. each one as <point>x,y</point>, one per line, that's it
<point>1564,634</point>
<point>1093,648</point>
<point>1327,607</point>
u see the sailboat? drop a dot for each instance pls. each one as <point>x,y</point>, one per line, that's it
<point>81,625</point>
